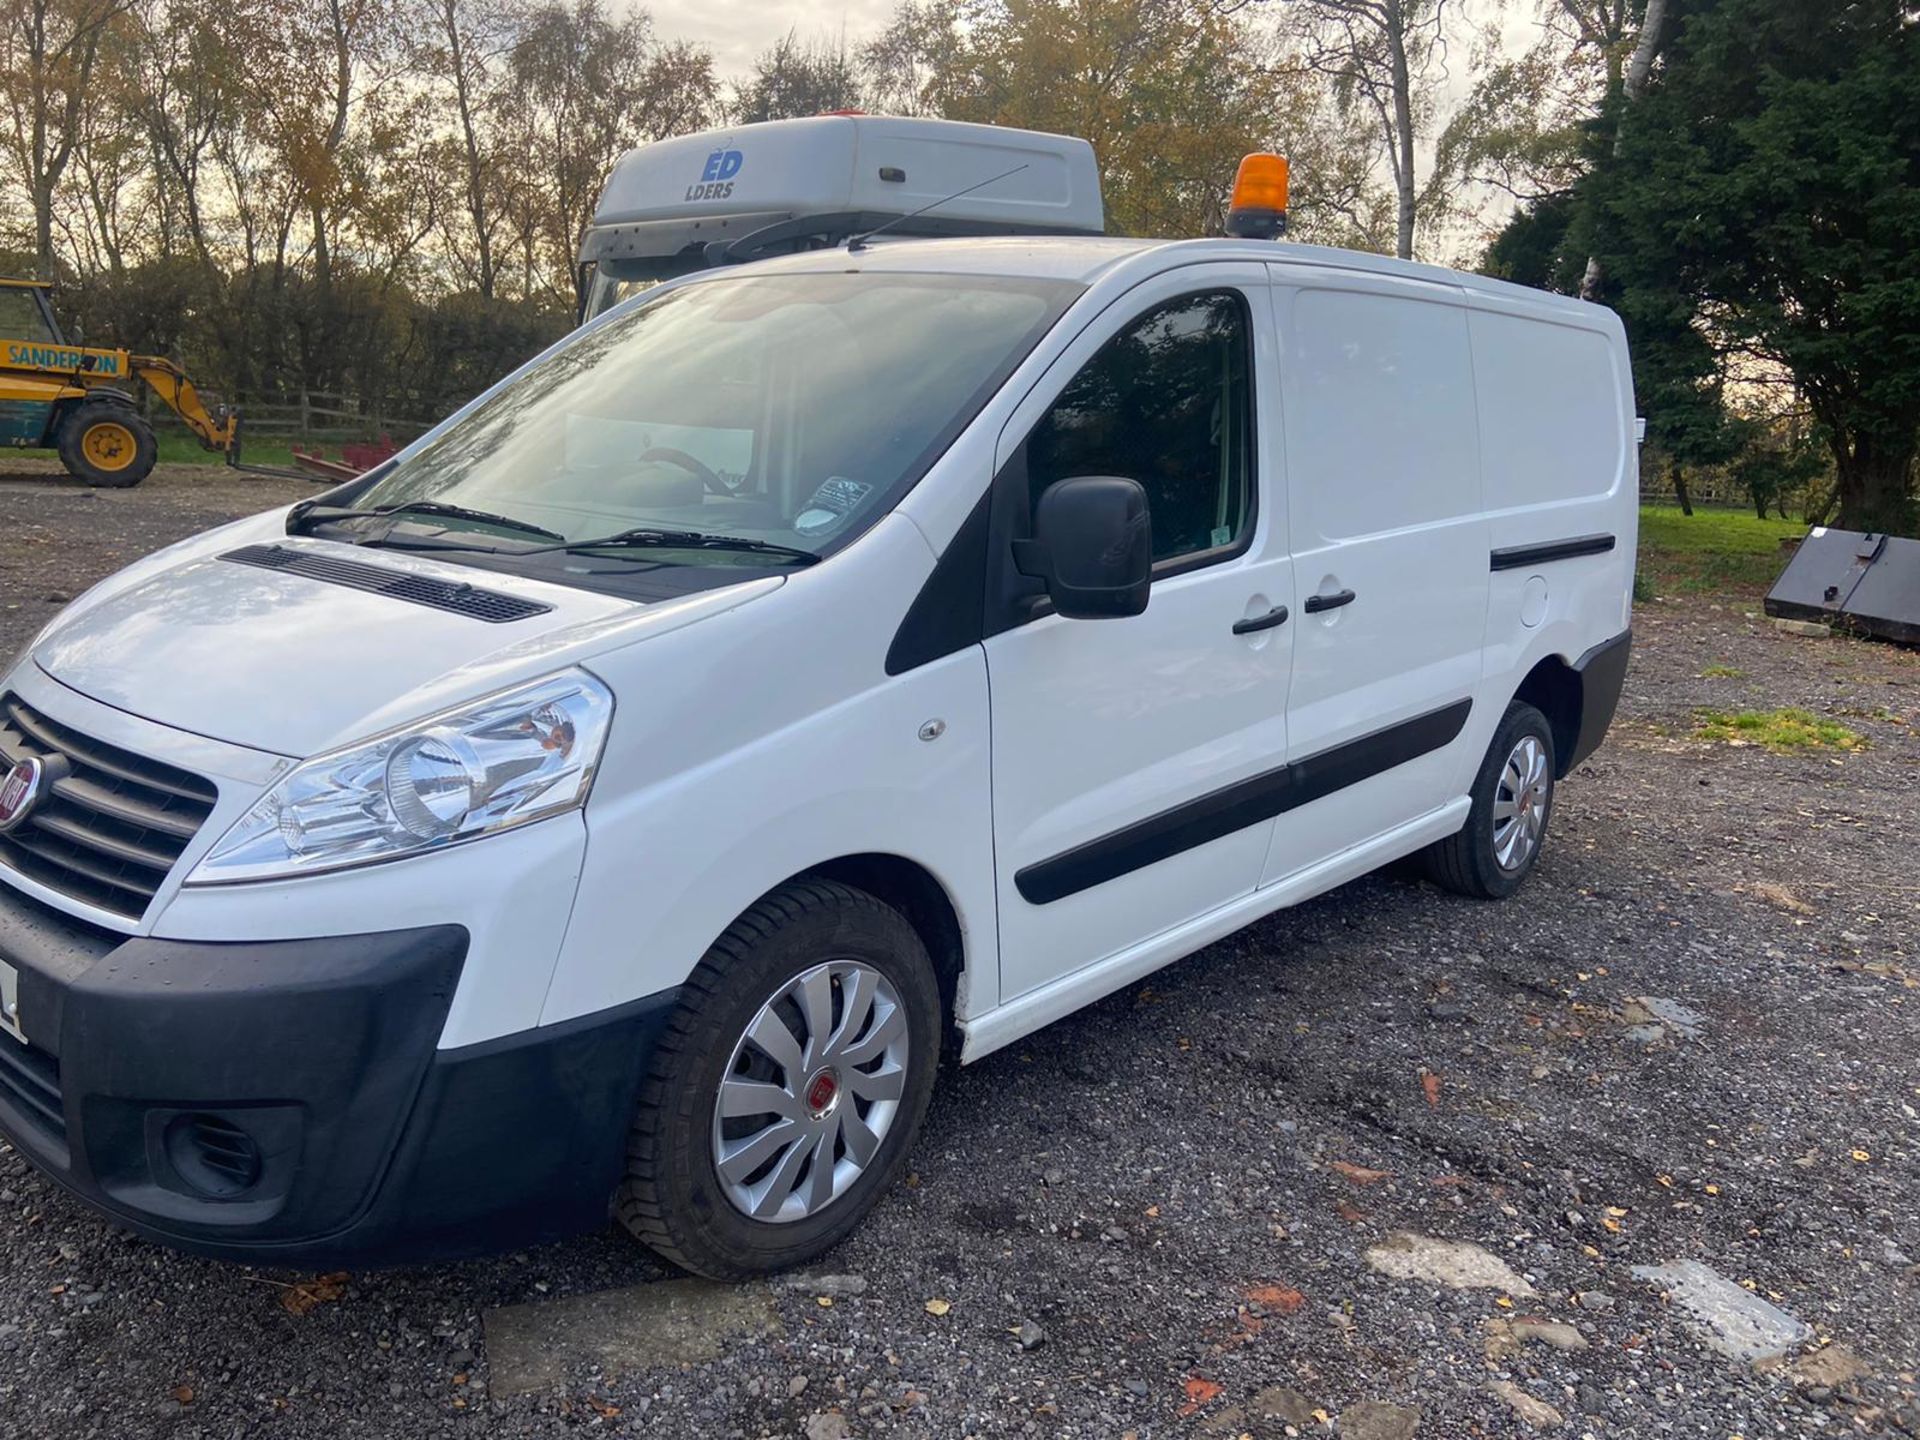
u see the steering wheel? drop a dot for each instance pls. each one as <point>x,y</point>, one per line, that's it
<point>706,475</point>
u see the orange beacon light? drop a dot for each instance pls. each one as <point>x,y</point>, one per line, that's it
<point>1258,210</point>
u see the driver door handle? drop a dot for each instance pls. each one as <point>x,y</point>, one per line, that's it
<point>1317,603</point>
<point>1276,616</point>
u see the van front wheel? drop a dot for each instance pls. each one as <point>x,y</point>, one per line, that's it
<point>788,1086</point>
<point>1512,801</point>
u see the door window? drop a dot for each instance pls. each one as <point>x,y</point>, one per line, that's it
<point>20,317</point>
<point>1166,402</point>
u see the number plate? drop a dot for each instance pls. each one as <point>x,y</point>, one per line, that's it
<point>10,1002</point>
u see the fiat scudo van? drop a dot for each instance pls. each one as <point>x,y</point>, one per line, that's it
<point>617,802</point>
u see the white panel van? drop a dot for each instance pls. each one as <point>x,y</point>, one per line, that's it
<point>617,802</point>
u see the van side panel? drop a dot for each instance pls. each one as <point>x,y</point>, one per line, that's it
<point>1384,499</point>
<point>1555,404</point>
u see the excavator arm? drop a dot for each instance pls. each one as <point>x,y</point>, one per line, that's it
<point>217,429</point>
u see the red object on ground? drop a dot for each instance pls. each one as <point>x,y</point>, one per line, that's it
<point>371,453</point>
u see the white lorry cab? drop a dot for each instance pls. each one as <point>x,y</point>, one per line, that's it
<point>618,801</point>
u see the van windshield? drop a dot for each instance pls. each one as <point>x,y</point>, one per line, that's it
<point>793,410</point>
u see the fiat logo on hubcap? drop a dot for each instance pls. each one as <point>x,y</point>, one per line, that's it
<point>20,791</point>
<point>822,1091</point>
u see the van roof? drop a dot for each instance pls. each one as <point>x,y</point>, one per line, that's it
<point>1085,258</point>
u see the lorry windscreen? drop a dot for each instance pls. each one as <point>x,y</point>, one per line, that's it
<point>792,409</point>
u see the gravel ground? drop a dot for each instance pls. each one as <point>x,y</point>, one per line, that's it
<point>1154,1217</point>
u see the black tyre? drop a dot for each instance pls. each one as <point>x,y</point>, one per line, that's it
<point>107,444</point>
<point>783,1097</point>
<point>1512,802</point>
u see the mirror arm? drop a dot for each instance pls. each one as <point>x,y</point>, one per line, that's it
<point>1033,559</point>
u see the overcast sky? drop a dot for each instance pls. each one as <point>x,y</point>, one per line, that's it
<point>738,30</point>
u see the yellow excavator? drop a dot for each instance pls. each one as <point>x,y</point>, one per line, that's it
<point>56,396</point>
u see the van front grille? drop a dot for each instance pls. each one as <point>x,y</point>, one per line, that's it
<point>113,823</point>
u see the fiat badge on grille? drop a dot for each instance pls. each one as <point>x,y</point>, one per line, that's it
<point>20,791</point>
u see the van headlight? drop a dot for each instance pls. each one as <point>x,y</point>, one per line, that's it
<point>511,758</point>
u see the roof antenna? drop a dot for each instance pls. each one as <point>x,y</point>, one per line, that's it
<point>858,242</point>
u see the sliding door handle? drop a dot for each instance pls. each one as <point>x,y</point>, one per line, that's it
<point>1276,616</point>
<point>1317,603</point>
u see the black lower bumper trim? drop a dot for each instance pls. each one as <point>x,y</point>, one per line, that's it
<point>1603,674</point>
<point>285,1102</point>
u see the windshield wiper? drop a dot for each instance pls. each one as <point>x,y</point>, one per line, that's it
<point>311,513</point>
<point>648,538</point>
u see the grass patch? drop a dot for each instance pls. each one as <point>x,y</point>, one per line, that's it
<point>1723,672</point>
<point>1780,731</point>
<point>176,447</point>
<point>1711,550</point>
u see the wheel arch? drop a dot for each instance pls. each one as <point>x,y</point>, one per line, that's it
<point>77,398</point>
<point>1554,688</point>
<point>917,893</point>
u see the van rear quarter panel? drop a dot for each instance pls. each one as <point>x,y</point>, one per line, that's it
<point>1559,461</point>
<point>766,741</point>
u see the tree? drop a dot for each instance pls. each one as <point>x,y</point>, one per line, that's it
<point>906,64</point>
<point>49,52</point>
<point>587,87</point>
<point>1763,191</point>
<point>794,78</point>
<point>1383,56</point>
<point>462,45</point>
<point>1170,93</point>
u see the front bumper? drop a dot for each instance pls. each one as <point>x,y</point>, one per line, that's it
<point>284,1102</point>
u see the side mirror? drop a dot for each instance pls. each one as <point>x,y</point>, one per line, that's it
<point>1092,545</point>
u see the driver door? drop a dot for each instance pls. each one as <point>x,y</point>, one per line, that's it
<point>1129,753</point>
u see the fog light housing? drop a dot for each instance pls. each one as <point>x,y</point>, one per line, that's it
<point>212,1155</point>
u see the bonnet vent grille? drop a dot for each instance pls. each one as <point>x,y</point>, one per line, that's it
<point>456,597</point>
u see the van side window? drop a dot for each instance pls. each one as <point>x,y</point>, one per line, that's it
<point>1166,402</point>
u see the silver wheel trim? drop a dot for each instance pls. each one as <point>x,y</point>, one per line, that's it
<point>781,1155</point>
<point>1520,804</point>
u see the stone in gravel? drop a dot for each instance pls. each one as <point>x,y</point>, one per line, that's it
<point>1730,1320</point>
<point>663,1325</point>
<point>1447,1010</point>
<point>1675,1016</point>
<point>828,1425</point>
<point>1834,1366</point>
<point>1289,1407</point>
<point>1805,629</point>
<point>837,1286</point>
<point>1549,1332</point>
<point>1595,1300</point>
<point>1453,1263</point>
<point>1534,1414</point>
<point>796,1387</point>
<point>1030,1335</point>
<point>1377,1420</point>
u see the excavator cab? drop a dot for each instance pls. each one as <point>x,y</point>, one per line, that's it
<point>56,395</point>
<point>25,313</point>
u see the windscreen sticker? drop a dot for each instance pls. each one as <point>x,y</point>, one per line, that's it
<point>830,505</point>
